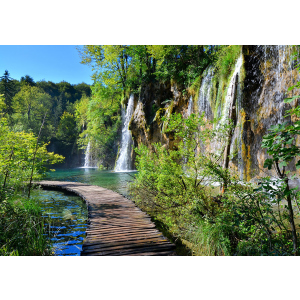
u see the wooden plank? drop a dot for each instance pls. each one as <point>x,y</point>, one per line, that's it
<point>130,235</point>
<point>129,251</point>
<point>120,239</point>
<point>102,245</point>
<point>117,230</point>
<point>108,225</point>
<point>125,235</point>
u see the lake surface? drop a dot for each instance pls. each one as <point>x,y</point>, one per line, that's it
<point>68,217</point>
<point>68,212</point>
<point>115,181</point>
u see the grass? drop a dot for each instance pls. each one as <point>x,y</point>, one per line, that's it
<point>22,230</point>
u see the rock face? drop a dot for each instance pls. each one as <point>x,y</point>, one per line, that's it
<point>269,72</point>
<point>74,157</point>
<point>252,97</point>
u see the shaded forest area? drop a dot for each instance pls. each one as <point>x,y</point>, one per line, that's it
<point>26,102</point>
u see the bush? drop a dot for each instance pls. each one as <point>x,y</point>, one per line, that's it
<point>179,187</point>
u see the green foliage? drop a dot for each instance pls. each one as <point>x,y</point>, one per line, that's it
<point>182,63</point>
<point>21,223</point>
<point>7,88</point>
<point>180,187</point>
<point>171,181</point>
<point>26,101</point>
<point>226,57</point>
<point>16,159</point>
<point>100,118</point>
<point>2,105</point>
<point>22,230</point>
<point>281,147</point>
<point>121,70</point>
<point>280,144</point>
<point>67,129</point>
<point>111,64</point>
<point>30,105</point>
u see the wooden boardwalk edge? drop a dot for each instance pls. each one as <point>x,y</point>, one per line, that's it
<point>116,226</point>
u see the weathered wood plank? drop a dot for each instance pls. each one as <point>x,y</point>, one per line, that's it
<point>130,251</point>
<point>115,225</point>
<point>120,235</point>
<point>129,244</point>
<point>120,239</point>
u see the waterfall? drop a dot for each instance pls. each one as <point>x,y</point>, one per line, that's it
<point>231,90</point>
<point>87,158</point>
<point>190,108</point>
<point>205,93</point>
<point>124,162</point>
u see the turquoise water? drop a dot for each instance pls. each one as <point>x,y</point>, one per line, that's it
<point>115,181</point>
<point>68,213</point>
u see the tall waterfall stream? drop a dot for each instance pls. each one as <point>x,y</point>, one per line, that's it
<point>124,162</point>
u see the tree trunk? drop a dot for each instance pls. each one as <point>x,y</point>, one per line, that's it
<point>291,217</point>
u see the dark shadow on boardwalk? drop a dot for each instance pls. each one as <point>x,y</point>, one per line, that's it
<point>115,225</point>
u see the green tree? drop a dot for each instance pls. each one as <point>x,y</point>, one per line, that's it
<point>22,158</point>
<point>100,119</point>
<point>7,89</point>
<point>281,146</point>
<point>67,130</point>
<point>27,80</point>
<point>16,159</point>
<point>111,63</point>
<point>30,106</point>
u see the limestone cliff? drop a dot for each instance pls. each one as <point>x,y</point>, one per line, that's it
<point>251,96</point>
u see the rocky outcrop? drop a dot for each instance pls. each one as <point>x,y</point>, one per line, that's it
<point>252,97</point>
<point>269,72</point>
<point>154,102</point>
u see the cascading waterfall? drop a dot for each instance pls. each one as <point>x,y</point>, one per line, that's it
<point>188,112</point>
<point>205,93</point>
<point>268,74</point>
<point>231,90</point>
<point>124,162</point>
<point>190,108</point>
<point>87,156</point>
<point>226,109</point>
<point>275,57</point>
<point>278,75</point>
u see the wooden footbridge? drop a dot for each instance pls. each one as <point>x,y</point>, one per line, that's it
<point>115,225</point>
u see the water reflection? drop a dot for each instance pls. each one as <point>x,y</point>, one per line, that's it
<point>68,215</point>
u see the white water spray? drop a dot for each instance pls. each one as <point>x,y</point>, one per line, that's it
<point>205,93</point>
<point>87,156</point>
<point>190,108</point>
<point>231,90</point>
<point>124,162</point>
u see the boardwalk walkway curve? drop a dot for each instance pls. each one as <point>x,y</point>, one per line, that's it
<point>115,225</point>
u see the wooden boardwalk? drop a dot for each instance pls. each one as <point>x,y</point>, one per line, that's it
<point>115,225</point>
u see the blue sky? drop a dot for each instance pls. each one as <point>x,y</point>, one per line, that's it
<point>53,63</point>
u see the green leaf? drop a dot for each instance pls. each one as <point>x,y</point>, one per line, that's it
<point>282,164</point>
<point>289,100</point>
<point>268,163</point>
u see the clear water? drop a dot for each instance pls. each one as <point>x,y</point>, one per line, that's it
<point>115,181</point>
<point>68,217</point>
<point>68,212</point>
